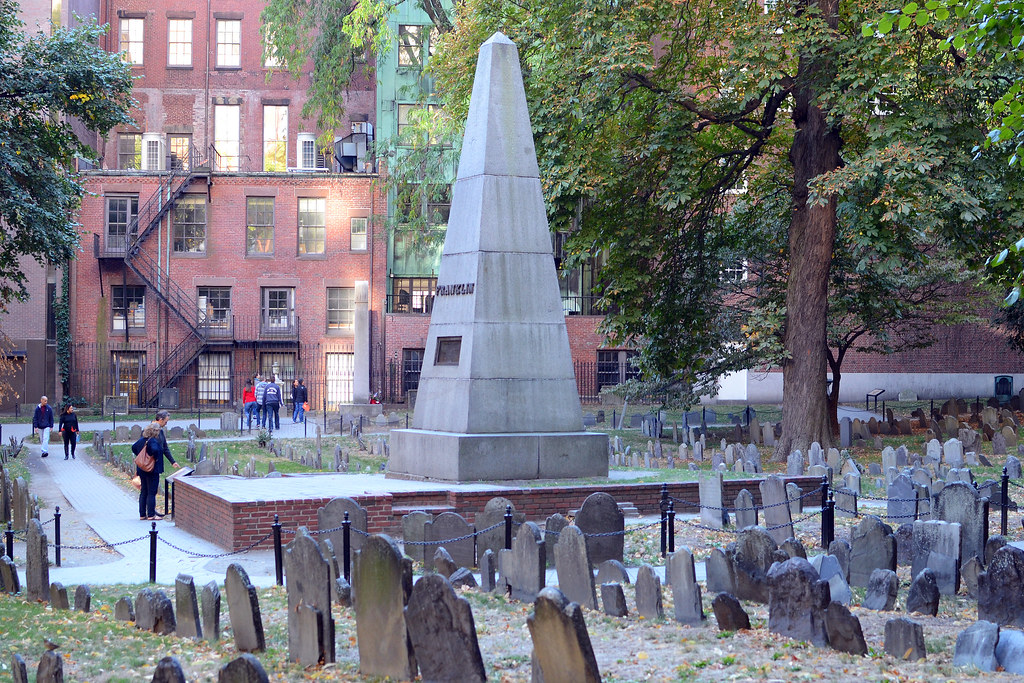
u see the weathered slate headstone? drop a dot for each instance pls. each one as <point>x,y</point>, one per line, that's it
<point>600,514</point>
<point>797,601</point>
<point>719,572</point>
<point>746,512</point>
<point>682,578</point>
<point>83,598</point>
<point>187,608</point>
<point>145,610</point>
<point>574,569</point>
<point>777,517</point>
<point>844,631</point>
<point>37,563</point>
<point>846,503</point>
<point>883,587</point>
<point>749,561</point>
<point>413,534</point>
<point>648,593</point>
<point>18,669</point>
<point>123,610</point>
<point>1000,594</point>
<point>308,582</point>
<point>1010,651</point>
<point>488,568</point>
<point>442,632</point>
<point>969,576</point>
<point>522,568</point>
<point>612,571</point>
<point>958,502</point>
<point>830,572</point>
<point>872,547</point>
<point>795,464</point>
<point>712,497</point>
<point>937,547</point>
<point>210,611</point>
<point>561,644</point>
<point>729,613</point>
<point>244,610</point>
<point>1013,468</point>
<point>443,531</point>
<point>168,670</point>
<point>59,596</point>
<point>552,528</point>
<point>50,669</point>
<point>443,563</point>
<point>923,596</point>
<point>904,639</point>
<point>331,517</point>
<point>840,549</point>
<point>613,600</point>
<point>976,646</point>
<point>379,594</point>
<point>494,513</point>
<point>902,503</point>
<point>243,669</point>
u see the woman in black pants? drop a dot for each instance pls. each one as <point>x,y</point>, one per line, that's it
<point>151,480</point>
<point>69,429</point>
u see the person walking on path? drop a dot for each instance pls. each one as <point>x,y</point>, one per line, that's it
<point>272,406</point>
<point>69,429</point>
<point>42,419</point>
<point>299,397</point>
<point>249,402</point>
<point>261,409</point>
<point>155,442</point>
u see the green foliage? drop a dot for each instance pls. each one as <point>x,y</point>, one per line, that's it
<point>62,315</point>
<point>44,82</point>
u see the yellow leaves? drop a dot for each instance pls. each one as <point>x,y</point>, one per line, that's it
<point>80,97</point>
<point>641,655</point>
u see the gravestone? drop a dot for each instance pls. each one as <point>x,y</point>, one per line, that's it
<point>611,571</point>
<point>331,517</point>
<point>186,608</point>
<point>59,596</point>
<point>969,575</point>
<point>522,568</point>
<point>888,458</point>
<point>748,561</point>
<point>796,500</point>
<point>883,588</point>
<point>648,593</point>
<point>443,563</point>
<point>777,517</point>
<point>18,669</point>
<point>37,563</point>
<point>574,569</point>
<point>795,464</point>
<point>992,547</point>
<point>561,644</point>
<point>901,507</point>
<point>244,610</point>
<point>1000,594</point>
<point>793,548</point>
<point>83,599</point>
<point>168,670</point>
<point>958,502</point>
<point>831,572</point>
<point>681,574</point>
<point>719,572</point>
<point>9,581</point>
<point>923,596</point>
<point>492,514</point>
<point>552,528</point>
<point>840,549</point>
<point>729,613</point>
<point>904,639</point>
<point>613,600</point>
<point>413,534</point>
<point>123,610</point>
<point>308,583</point>
<point>797,601</point>
<point>210,611</point>
<point>872,546</point>
<point>1010,651</point>
<point>442,531</point>
<point>712,496</point>
<point>1013,468</point>
<point>846,503</point>
<point>844,631</point>
<point>51,668</point>
<point>600,514</point>
<point>976,646</point>
<point>746,513</point>
<point>845,433</point>
<point>379,594</point>
<point>953,453</point>
<point>243,669</point>
<point>488,567</point>
<point>442,632</point>
<point>937,547</point>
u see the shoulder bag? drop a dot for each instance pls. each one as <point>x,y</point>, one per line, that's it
<point>144,461</point>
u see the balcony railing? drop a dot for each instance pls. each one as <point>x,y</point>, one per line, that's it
<point>407,303</point>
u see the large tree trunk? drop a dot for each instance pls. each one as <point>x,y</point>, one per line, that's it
<point>812,233</point>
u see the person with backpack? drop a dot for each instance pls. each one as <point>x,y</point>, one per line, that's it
<point>272,406</point>
<point>261,390</point>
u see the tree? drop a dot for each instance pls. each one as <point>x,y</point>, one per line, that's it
<point>46,80</point>
<point>650,118</point>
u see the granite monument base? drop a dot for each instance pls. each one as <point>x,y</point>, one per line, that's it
<point>446,456</point>
<point>364,409</point>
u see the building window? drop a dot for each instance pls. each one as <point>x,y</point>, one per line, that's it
<point>270,58</point>
<point>215,378</point>
<point>178,148</point>
<point>215,306</point>
<point>179,42</point>
<point>275,138</point>
<point>131,40</point>
<point>128,307</point>
<point>226,119</point>
<point>121,211</point>
<point>412,364</point>
<point>190,224</point>
<point>278,367</point>
<point>410,204</point>
<point>413,294</point>
<point>259,231</point>
<point>410,45</point>
<point>359,227</point>
<point>615,367</point>
<point>310,156</point>
<point>278,309</point>
<point>229,43</point>
<point>127,367</point>
<point>409,113</point>
<point>341,307</point>
<point>735,272</point>
<point>312,225</point>
<point>129,151</point>
<point>340,368</point>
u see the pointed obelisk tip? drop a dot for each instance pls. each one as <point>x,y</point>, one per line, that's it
<point>498,37</point>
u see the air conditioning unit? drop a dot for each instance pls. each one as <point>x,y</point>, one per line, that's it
<point>152,152</point>
<point>168,399</point>
<point>363,127</point>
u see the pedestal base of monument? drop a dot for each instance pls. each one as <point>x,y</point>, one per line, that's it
<point>357,409</point>
<point>447,456</point>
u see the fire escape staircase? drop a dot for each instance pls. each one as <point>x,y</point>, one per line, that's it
<point>157,280</point>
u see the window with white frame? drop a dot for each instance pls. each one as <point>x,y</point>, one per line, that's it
<point>341,308</point>
<point>410,45</point>
<point>270,58</point>
<point>259,231</point>
<point>190,224</point>
<point>129,151</point>
<point>131,39</point>
<point>275,138</point>
<point>226,124</point>
<point>312,225</point>
<point>215,378</point>
<point>152,153</point>
<point>177,149</point>
<point>121,210</point>
<point>179,42</point>
<point>214,306</point>
<point>229,43</point>
<point>359,229</point>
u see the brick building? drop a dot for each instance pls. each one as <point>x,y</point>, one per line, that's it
<point>220,239</point>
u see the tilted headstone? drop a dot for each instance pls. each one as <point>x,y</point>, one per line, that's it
<point>923,596</point>
<point>19,670</point>
<point>797,601</point>
<point>379,593</point>
<point>969,573</point>
<point>308,582</point>
<point>243,669</point>
<point>522,568</point>
<point>613,600</point>
<point>719,572</point>
<point>488,568</point>
<point>9,580</point>
<point>796,500</point>
<point>600,514</point>
<point>686,596</point>
<point>331,517</point>
<point>872,546</point>
<point>574,569</point>
<point>729,613</point>
<point>37,563</point>
<point>244,610</point>
<point>958,502</point>
<point>840,549</point>
<point>777,518</point>
<point>883,588</point>
<point>712,497</point>
<point>443,563</point>
<point>937,547</point>
<point>749,560</point>
<point>494,514</point>
<point>561,644</point>
<point>442,632</point>
<point>1000,593</point>
<point>844,631</point>
<point>187,608</point>
<point>612,571</point>
<point>648,593</point>
<point>830,571</point>
<point>904,639</point>
<point>210,611</point>
<point>746,512</point>
<point>443,531</point>
<point>413,537</point>
<point>976,646</point>
<point>123,609</point>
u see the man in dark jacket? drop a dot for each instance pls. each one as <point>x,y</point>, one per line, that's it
<point>272,406</point>
<point>299,397</point>
<point>42,419</point>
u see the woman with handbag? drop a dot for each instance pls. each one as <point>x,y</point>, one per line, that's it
<point>69,429</point>
<point>149,464</point>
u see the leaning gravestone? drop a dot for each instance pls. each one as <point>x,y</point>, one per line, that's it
<point>443,563</point>
<point>873,546</point>
<point>575,572</point>
<point>37,563</point>
<point>494,514</point>
<point>9,581</point>
<point>442,632</point>
<point>244,610</point>
<point>775,502</point>
<point>488,566</point>
<point>613,600</point>
<point>561,644</point>
<point>937,547</point>
<point>331,517</point>
<point>443,531</point>
<point>59,596</point>
<point>18,668</point>
<point>308,583</point>
<point>187,608</point>
<point>923,596</point>
<point>648,593</point>
<point>600,514</point>
<point>211,611</point>
<point>958,502</point>
<point>1000,598</point>
<point>379,595</point>
<point>976,646</point>
<point>883,587</point>
<point>729,613</point>
<point>746,512</point>
<point>797,601</point>
<point>244,669</point>
<point>611,571</point>
<point>844,631</point>
<point>413,536</point>
<point>712,508</point>
<point>522,568</point>
<point>685,589</point>
<point>796,500</point>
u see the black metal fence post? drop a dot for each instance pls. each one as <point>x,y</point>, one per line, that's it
<point>508,527</point>
<point>664,518</point>
<point>9,537</point>
<point>56,535</point>
<point>824,506</point>
<point>828,522</point>
<point>671,527</point>
<point>346,547</point>
<point>152,554</point>
<point>278,558</point>
<point>1004,508</point>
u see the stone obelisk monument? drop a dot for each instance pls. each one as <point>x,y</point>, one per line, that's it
<point>497,395</point>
